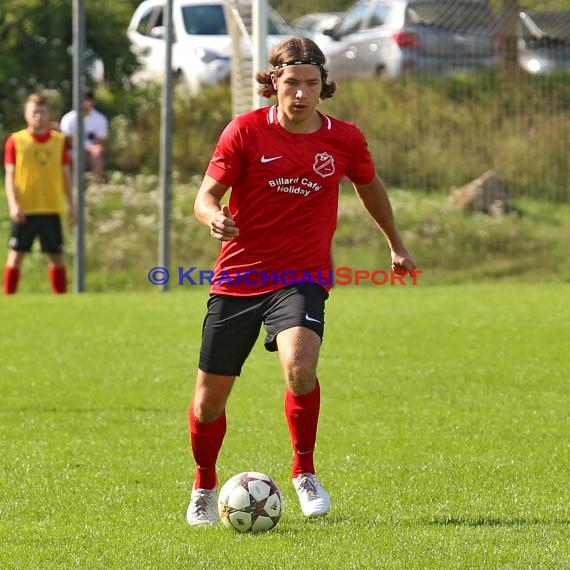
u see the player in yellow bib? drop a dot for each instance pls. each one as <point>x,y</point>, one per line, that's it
<point>38,189</point>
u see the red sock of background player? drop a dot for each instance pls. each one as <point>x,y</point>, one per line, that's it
<point>206,440</point>
<point>11,278</point>
<point>302,412</point>
<point>58,279</point>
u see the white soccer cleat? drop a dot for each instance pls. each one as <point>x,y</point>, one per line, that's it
<point>315,501</point>
<point>203,507</point>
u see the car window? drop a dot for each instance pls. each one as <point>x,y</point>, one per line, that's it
<point>209,19</point>
<point>149,20</point>
<point>352,20</point>
<point>451,15</point>
<point>204,20</point>
<point>274,29</point>
<point>158,19</point>
<point>379,16</point>
<point>276,25</point>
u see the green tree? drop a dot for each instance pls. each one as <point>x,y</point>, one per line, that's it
<point>36,38</point>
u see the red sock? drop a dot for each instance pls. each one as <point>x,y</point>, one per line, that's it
<point>57,279</point>
<point>206,439</point>
<point>302,412</point>
<point>11,278</point>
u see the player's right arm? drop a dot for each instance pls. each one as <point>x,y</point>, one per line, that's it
<point>16,213</point>
<point>209,210</point>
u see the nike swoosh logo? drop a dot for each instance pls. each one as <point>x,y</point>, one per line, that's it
<point>311,319</point>
<point>265,159</point>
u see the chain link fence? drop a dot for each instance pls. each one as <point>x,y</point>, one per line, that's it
<point>447,90</point>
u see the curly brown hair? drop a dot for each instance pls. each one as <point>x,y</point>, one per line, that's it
<point>287,52</point>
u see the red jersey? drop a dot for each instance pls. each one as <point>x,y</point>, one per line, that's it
<point>284,199</point>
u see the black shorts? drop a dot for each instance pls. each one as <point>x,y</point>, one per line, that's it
<point>232,324</point>
<point>45,226</point>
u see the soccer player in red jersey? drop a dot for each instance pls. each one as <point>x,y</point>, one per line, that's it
<point>38,184</point>
<point>283,164</point>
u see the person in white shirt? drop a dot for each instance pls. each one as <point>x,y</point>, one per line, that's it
<point>96,130</point>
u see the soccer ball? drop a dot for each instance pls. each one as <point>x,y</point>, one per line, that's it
<point>250,502</point>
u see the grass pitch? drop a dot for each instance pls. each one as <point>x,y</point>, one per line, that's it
<point>443,437</point>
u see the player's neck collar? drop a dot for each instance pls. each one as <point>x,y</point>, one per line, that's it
<point>273,120</point>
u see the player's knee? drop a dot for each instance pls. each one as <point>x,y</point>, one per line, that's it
<point>207,411</point>
<point>15,258</point>
<point>210,397</point>
<point>301,377</point>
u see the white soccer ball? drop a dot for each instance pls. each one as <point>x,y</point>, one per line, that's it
<point>250,502</point>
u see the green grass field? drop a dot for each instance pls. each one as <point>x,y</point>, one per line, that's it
<point>443,437</point>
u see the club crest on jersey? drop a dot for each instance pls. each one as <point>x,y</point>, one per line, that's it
<point>324,164</point>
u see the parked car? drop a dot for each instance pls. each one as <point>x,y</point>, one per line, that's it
<point>317,22</point>
<point>390,38</point>
<point>544,41</point>
<point>201,50</point>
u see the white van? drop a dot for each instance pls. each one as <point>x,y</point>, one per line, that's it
<point>201,51</point>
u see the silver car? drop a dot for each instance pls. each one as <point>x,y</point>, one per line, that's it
<point>391,38</point>
<point>317,22</point>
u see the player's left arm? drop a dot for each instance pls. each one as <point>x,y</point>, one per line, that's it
<point>68,189</point>
<point>376,201</point>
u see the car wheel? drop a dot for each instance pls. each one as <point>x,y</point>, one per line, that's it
<point>180,79</point>
<point>381,71</point>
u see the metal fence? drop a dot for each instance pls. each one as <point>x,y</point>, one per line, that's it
<point>447,90</point>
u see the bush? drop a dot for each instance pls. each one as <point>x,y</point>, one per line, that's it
<point>197,122</point>
<point>439,133</point>
<point>428,133</point>
<point>424,133</point>
<point>449,245</point>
